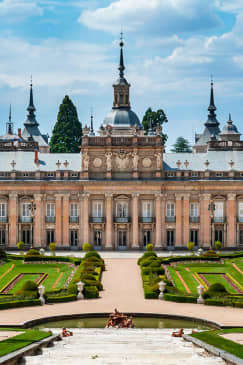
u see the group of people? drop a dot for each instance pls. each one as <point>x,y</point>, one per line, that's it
<point>119,320</point>
<point>66,333</point>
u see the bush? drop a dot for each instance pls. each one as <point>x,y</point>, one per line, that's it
<point>148,270</point>
<point>95,283</point>
<point>210,253</point>
<point>52,247</point>
<point>20,245</point>
<point>217,245</point>
<point>190,246</point>
<point>61,299</point>
<point>218,302</point>
<point>92,254</point>
<point>87,247</point>
<point>215,290</point>
<point>3,254</point>
<point>179,298</point>
<point>72,289</point>
<point>30,285</point>
<point>146,255</point>
<point>85,276</point>
<point>149,247</point>
<point>91,292</point>
<point>148,261</point>
<point>20,303</point>
<point>149,294</point>
<point>32,252</point>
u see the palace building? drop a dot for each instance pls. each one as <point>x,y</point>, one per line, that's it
<point>122,190</point>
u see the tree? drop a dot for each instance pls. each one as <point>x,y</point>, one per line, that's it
<point>154,118</point>
<point>190,246</point>
<point>67,132</point>
<point>20,246</point>
<point>181,145</point>
<point>52,248</point>
<point>218,245</point>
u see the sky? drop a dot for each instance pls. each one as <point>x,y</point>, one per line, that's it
<point>172,47</point>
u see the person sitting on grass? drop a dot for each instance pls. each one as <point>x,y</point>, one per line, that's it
<point>179,333</point>
<point>66,333</point>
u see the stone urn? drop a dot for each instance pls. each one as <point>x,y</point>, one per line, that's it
<point>80,287</point>
<point>41,291</point>
<point>42,252</point>
<point>162,285</point>
<point>200,252</point>
<point>200,290</point>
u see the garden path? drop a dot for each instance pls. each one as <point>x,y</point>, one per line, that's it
<point>123,290</point>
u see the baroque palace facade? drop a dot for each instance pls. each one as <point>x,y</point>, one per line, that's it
<point>122,191</point>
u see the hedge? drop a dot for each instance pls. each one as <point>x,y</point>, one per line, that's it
<point>148,294</point>
<point>91,292</point>
<point>180,298</point>
<point>73,260</point>
<point>218,302</point>
<point>20,303</point>
<point>61,299</point>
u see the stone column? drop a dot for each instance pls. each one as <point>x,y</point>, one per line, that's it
<point>186,223</point>
<point>163,207</point>
<point>178,220</point>
<point>158,214</point>
<point>66,220</point>
<point>135,226</point>
<point>81,223</point>
<point>86,217</point>
<point>109,221</point>
<point>13,219</point>
<point>38,221</point>
<point>205,224</point>
<point>58,220</point>
<point>231,220</point>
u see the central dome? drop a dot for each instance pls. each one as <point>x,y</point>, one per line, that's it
<point>121,117</point>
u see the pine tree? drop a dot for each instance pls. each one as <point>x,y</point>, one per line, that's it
<point>67,132</point>
<point>154,118</point>
<point>181,145</point>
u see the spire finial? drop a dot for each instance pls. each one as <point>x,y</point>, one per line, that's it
<point>9,123</point>
<point>31,108</point>
<point>10,114</point>
<point>121,67</point>
<point>91,122</point>
<point>212,107</point>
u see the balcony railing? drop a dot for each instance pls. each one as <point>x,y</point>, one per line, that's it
<point>194,219</point>
<point>122,219</point>
<point>3,219</point>
<point>25,219</point>
<point>240,219</point>
<point>96,219</point>
<point>73,219</point>
<point>146,219</point>
<point>170,219</point>
<point>50,219</point>
<point>219,219</point>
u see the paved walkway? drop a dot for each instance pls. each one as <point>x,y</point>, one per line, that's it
<point>123,290</point>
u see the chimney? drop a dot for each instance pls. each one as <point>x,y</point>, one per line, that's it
<point>19,132</point>
<point>36,157</point>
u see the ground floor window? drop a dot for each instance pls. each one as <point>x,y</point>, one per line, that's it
<point>194,236</point>
<point>170,237</point>
<point>122,239</point>
<point>2,237</point>
<point>147,237</point>
<point>26,236</point>
<point>241,237</point>
<point>219,235</point>
<point>50,236</point>
<point>97,238</point>
<point>73,237</point>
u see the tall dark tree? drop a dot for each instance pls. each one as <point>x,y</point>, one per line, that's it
<point>152,118</point>
<point>181,145</point>
<point>67,132</point>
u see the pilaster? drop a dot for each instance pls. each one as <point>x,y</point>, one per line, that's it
<point>86,217</point>
<point>135,227</point>
<point>186,214</point>
<point>109,220</point>
<point>66,219</point>
<point>178,220</point>
<point>13,219</point>
<point>205,225</point>
<point>231,220</point>
<point>158,213</point>
<point>38,220</point>
<point>59,220</point>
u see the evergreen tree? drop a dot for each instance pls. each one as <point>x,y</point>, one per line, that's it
<point>67,132</point>
<point>154,118</point>
<point>181,145</point>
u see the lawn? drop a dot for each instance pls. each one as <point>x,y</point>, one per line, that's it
<point>187,276</point>
<point>24,339</point>
<point>58,274</point>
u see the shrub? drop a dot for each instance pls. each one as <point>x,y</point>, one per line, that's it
<point>95,283</point>
<point>146,255</point>
<point>72,289</point>
<point>32,252</point>
<point>91,292</point>
<point>148,261</point>
<point>215,290</point>
<point>85,276</point>
<point>92,254</point>
<point>87,247</point>
<point>149,247</point>
<point>20,303</point>
<point>61,299</point>
<point>190,246</point>
<point>3,254</point>
<point>149,269</point>
<point>210,253</point>
<point>52,247</point>
<point>218,302</point>
<point>149,294</point>
<point>179,298</point>
<point>30,285</point>
<point>20,246</point>
<point>218,245</point>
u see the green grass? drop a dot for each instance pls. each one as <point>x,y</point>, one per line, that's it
<point>24,339</point>
<point>213,338</point>
<point>52,269</point>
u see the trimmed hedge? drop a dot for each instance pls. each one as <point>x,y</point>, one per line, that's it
<point>20,303</point>
<point>218,302</point>
<point>148,294</point>
<point>179,298</point>
<point>91,292</point>
<point>73,260</point>
<point>61,299</point>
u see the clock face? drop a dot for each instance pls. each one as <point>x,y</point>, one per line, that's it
<point>97,162</point>
<point>147,162</point>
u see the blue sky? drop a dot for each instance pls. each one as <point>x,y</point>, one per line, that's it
<point>171,49</point>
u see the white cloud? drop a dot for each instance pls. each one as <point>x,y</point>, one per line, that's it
<point>19,9</point>
<point>167,16</point>
<point>232,6</point>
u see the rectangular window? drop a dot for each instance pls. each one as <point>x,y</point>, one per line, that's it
<point>122,210</point>
<point>241,237</point>
<point>73,210</point>
<point>219,210</point>
<point>2,237</point>
<point>50,236</point>
<point>170,209</point>
<point>50,209</point>
<point>194,236</point>
<point>147,209</point>
<point>97,238</point>
<point>241,210</point>
<point>50,174</point>
<point>3,209</point>
<point>170,235</point>
<point>147,237</point>
<point>194,210</point>
<point>74,238</point>
<point>26,209</point>
<point>97,209</point>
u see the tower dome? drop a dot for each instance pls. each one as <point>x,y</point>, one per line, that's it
<point>230,131</point>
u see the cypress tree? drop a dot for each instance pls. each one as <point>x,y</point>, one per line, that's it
<point>181,145</point>
<point>67,132</point>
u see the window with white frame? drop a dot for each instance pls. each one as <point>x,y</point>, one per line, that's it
<point>3,209</point>
<point>240,207</point>
<point>50,209</point>
<point>170,210</point>
<point>194,210</point>
<point>219,209</point>
<point>73,210</point>
<point>122,209</point>
<point>26,210</point>
<point>147,209</point>
<point>97,209</point>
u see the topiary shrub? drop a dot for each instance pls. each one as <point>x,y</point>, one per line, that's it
<point>20,246</point>
<point>30,285</point>
<point>91,292</point>
<point>87,247</point>
<point>218,245</point>
<point>72,289</point>
<point>92,254</point>
<point>146,255</point>
<point>28,290</point>
<point>149,247</point>
<point>3,254</point>
<point>215,290</point>
<point>210,253</point>
<point>32,252</point>
<point>190,246</point>
<point>52,247</point>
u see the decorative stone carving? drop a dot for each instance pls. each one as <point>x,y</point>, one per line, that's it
<point>122,160</point>
<point>97,162</point>
<point>158,160</point>
<point>147,162</point>
<point>80,288</point>
<point>161,289</point>
<point>108,156</point>
<point>85,159</point>
<point>135,160</point>
<point>41,291</point>
<point>200,290</point>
